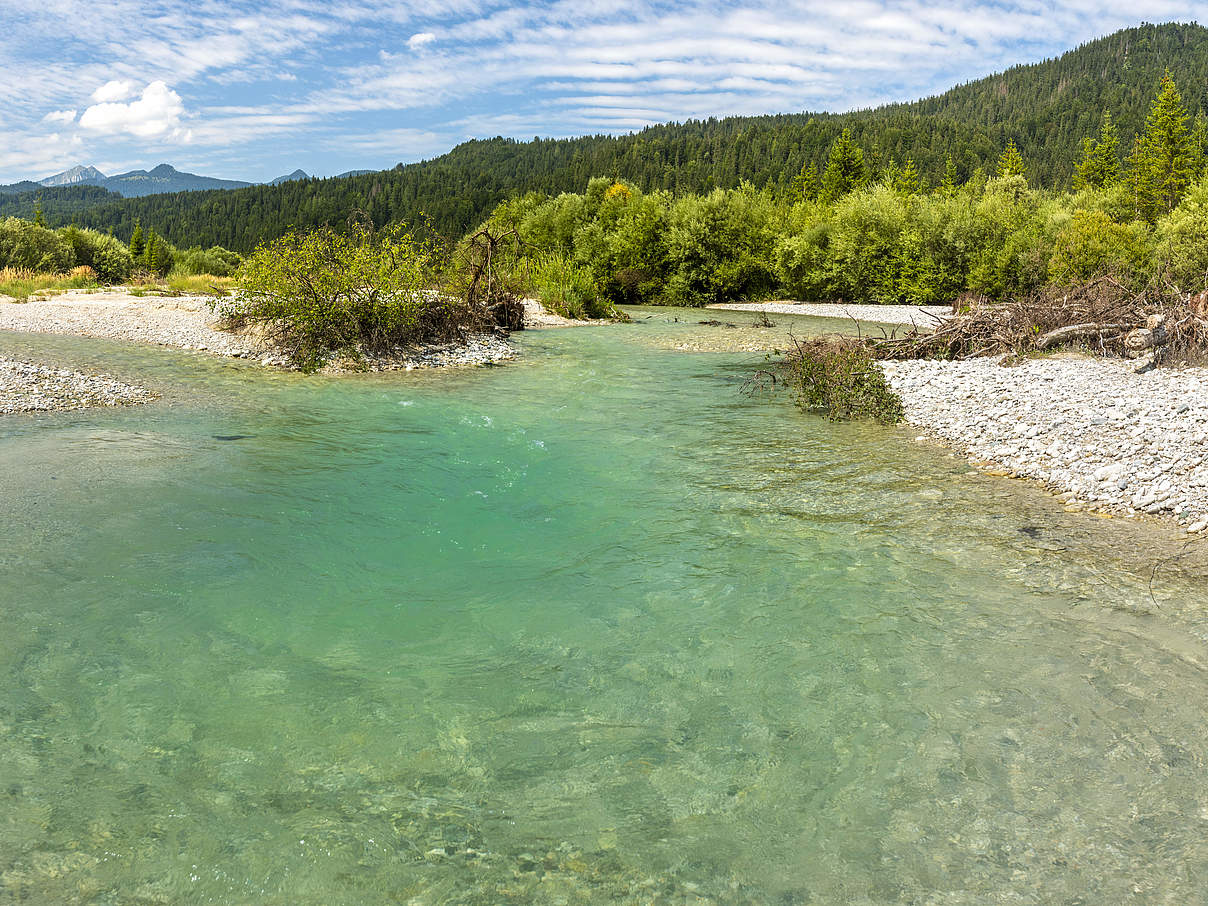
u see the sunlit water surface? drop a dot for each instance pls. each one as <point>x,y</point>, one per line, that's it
<point>590,627</point>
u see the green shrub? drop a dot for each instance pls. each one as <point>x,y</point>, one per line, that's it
<point>802,264</point>
<point>24,244</point>
<point>1091,245</point>
<point>719,247</point>
<point>322,293</point>
<point>1182,241</point>
<point>106,255</point>
<point>838,376</point>
<point>195,261</point>
<point>567,289</point>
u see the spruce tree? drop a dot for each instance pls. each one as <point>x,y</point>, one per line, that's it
<point>1163,163</point>
<point>1011,161</point>
<point>1100,164</point>
<point>908,181</point>
<point>845,168</point>
<point>137,243</point>
<point>39,220</point>
<point>1199,146</point>
<point>805,183</point>
<point>148,255</point>
<point>948,186</point>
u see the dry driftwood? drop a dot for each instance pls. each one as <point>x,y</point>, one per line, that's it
<point>1078,332</point>
<point>1106,315</point>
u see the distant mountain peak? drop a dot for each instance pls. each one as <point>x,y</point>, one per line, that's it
<point>297,174</point>
<point>77,175</point>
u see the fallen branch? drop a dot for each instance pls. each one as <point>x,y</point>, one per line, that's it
<point>1078,332</point>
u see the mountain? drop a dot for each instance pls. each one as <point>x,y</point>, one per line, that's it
<point>297,174</point>
<point>136,183</point>
<point>75,176</point>
<point>355,173</point>
<point>1046,107</point>
<point>165,178</point>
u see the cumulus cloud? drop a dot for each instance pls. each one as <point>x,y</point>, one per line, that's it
<point>157,112</point>
<point>60,116</point>
<point>115,90</point>
<point>424,38</point>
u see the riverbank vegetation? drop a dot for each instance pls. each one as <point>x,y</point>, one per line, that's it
<point>35,258</point>
<point>322,294</point>
<point>846,232</point>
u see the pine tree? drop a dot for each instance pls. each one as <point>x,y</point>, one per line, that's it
<point>148,255</point>
<point>137,243</point>
<point>1162,163</point>
<point>948,185</point>
<point>907,180</point>
<point>845,168</point>
<point>805,183</point>
<point>1199,146</point>
<point>39,220</point>
<point>1011,162</point>
<point>1100,164</point>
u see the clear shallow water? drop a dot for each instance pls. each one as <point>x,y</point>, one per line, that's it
<point>591,627</point>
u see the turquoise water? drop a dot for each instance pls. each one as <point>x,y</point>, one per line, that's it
<point>591,627</point>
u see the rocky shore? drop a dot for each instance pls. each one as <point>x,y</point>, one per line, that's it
<point>186,322</point>
<point>1091,429</point>
<point>921,316</point>
<point>26,387</point>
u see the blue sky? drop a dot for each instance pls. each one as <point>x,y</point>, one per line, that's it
<point>252,90</point>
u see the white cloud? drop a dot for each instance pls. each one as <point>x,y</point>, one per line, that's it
<point>424,38</point>
<point>156,113</point>
<point>115,90</point>
<point>60,116</point>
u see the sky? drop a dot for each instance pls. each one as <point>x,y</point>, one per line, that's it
<point>254,90</point>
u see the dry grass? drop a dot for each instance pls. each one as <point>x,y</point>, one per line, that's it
<point>21,283</point>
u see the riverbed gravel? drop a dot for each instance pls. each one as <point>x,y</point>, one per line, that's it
<point>921,316</point>
<point>1091,429</point>
<point>186,322</point>
<point>28,387</point>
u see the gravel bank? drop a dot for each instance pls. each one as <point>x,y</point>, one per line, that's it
<point>185,322</point>
<point>26,387</point>
<point>1089,428</point>
<point>916,315</point>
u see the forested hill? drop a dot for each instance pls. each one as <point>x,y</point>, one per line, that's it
<point>1047,108</point>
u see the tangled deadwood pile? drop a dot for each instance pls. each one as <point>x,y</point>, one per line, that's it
<point>1103,315</point>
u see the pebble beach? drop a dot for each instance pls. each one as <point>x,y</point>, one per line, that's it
<point>27,387</point>
<point>1091,429</point>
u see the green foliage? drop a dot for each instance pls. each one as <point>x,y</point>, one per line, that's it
<point>26,245</point>
<point>1093,245</point>
<point>321,293</point>
<point>106,255</point>
<point>1182,241</point>
<point>1010,162</point>
<point>719,248</point>
<point>845,168</point>
<point>1163,162</point>
<point>1099,167</point>
<point>217,261</point>
<point>1048,108</point>
<point>567,289</point>
<point>138,243</point>
<point>838,376</point>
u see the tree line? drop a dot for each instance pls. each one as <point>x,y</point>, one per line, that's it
<point>1046,109</point>
<point>849,231</point>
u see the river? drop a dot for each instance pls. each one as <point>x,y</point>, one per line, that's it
<point>590,627</point>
